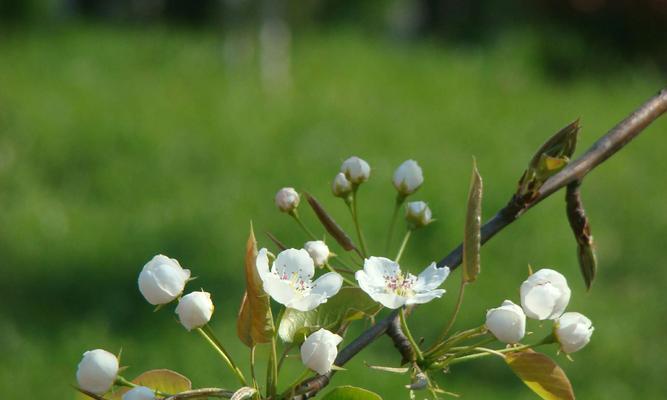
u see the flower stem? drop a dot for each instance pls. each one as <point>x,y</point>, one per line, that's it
<point>483,352</point>
<point>347,280</point>
<point>290,389</point>
<point>303,226</point>
<point>272,373</point>
<point>207,333</point>
<point>252,368</point>
<point>403,245</point>
<point>355,218</point>
<point>457,308</point>
<point>440,347</point>
<point>392,223</point>
<point>404,325</point>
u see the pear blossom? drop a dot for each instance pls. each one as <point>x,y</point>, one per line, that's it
<point>289,282</point>
<point>408,177</point>
<point>319,351</point>
<point>573,331</point>
<point>356,170</point>
<point>287,199</point>
<point>384,282</point>
<point>139,393</point>
<point>507,322</point>
<point>162,280</point>
<point>545,294</point>
<point>341,186</point>
<point>195,310</point>
<point>97,371</point>
<point>418,214</point>
<point>319,252</point>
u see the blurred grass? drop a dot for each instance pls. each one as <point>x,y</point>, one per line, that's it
<point>116,145</point>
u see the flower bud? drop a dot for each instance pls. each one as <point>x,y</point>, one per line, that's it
<point>545,294</point>
<point>418,214</point>
<point>162,280</point>
<point>318,251</point>
<point>573,331</point>
<point>341,187</point>
<point>319,351</point>
<point>139,393</point>
<point>356,170</point>
<point>507,322</point>
<point>97,371</point>
<point>195,309</point>
<point>408,177</point>
<point>287,199</point>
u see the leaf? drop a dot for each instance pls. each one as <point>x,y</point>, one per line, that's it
<point>244,393</point>
<point>541,374</point>
<point>348,305</point>
<point>162,380</point>
<point>351,393</point>
<point>561,144</point>
<point>472,240</point>
<point>330,225</point>
<point>255,323</point>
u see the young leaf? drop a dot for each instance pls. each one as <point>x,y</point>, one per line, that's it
<point>255,322</point>
<point>348,305</point>
<point>472,235</point>
<point>541,374</point>
<point>351,393</point>
<point>330,225</point>
<point>163,380</point>
<point>582,233</point>
<point>244,393</point>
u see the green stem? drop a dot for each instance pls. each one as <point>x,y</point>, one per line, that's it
<point>403,245</point>
<point>397,206</point>
<point>252,368</point>
<point>207,333</point>
<point>484,352</point>
<point>454,339</point>
<point>283,356</point>
<point>290,389</point>
<point>404,325</point>
<point>272,373</point>
<point>457,308</point>
<point>296,217</point>
<point>355,217</point>
<point>347,280</point>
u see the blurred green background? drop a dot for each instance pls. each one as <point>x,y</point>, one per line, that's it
<point>124,135</point>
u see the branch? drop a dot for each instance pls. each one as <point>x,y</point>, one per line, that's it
<point>202,394</point>
<point>600,151</point>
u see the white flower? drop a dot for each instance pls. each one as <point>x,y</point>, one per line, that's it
<point>319,252</point>
<point>418,214</point>
<point>290,280</point>
<point>507,322</point>
<point>356,170</point>
<point>545,294</point>
<point>319,351</point>
<point>162,280</point>
<point>573,331</point>
<point>384,282</point>
<point>195,310</point>
<point>287,199</point>
<point>97,371</point>
<point>341,187</point>
<point>139,393</point>
<point>408,177</point>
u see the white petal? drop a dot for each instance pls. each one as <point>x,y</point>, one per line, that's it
<point>262,263</point>
<point>388,300</point>
<point>538,302</point>
<point>425,297</point>
<point>328,284</point>
<point>293,261</point>
<point>307,302</point>
<point>279,290</point>
<point>377,268</point>
<point>431,278</point>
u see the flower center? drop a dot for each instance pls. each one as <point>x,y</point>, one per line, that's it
<point>297,282</point>
<point>400,284</point>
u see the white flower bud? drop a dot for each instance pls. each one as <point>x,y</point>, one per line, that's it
<point>418,214</point>
<point>573,331</point>
<point>545,294</point>
<point>319,351</point>
<point>287,199</point>
<point>195,309</point>
<point>356,170</point>
<point>318,250</point>
<point>139,393</point>
<point>97,371</point>
<point>162,280</point>
<point>507,322</point>
<point>341,187</point>
<point>408,177</point>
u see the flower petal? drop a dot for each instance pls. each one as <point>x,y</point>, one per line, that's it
<point>328,284</point>
<point>539,301</point>
<point>279,290</point>
<point>425,297</point>
<point>431,278</point>
<point>389,300</point>
<point>293,261</point>
<point>377,268</point>
<point>262,263</point>
<point>307,302</point>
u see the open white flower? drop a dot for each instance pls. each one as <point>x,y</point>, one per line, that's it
<point>384,282</point>
<point>287,199</point>
<point>341,187</point>
<point>139,393</point>
<point>545,294</point>
<point>162,280</point>
<point>97,371</point>
<point>573,331</point>
<point>318,250</point>
<point>356,170</point>
<point>507,322</point>
<point>289,282</point>
<point>408,177</point>
<point>319,351</point>
<point>195,310</point>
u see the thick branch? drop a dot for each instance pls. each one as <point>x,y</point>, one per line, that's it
<point>600,151</point>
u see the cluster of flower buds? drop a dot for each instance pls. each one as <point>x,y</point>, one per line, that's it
<point>544,296</point>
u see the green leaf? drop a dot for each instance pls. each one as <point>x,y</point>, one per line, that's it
<point>162,380</point>
<point>255,323</point>
<point>541,374</point>
<point>244,393</point>
<point>348,305</point>
<point>351,393</point>
<point>472,240</point>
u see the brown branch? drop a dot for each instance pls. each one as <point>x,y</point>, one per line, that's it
<point>600,151</point>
